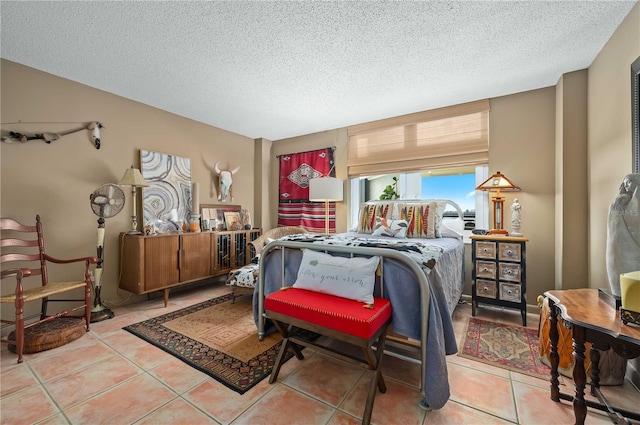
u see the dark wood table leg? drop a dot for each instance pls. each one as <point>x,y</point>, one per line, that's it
<point>594,355</point>
<point>553,354</point>
<point>579,374</point>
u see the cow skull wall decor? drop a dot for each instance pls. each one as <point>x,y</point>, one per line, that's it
<point>225,181</point>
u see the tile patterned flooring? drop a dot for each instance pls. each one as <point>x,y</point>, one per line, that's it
<point>112,377</point>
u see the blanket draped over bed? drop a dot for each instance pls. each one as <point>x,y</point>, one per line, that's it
<point>402,289</point>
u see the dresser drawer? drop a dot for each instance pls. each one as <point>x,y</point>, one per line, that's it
<point>485,249</point>
<point>486,288</point>
<point>510,292</point>
<point>486,269</point>
<point>509,252</point>
<point>510,272</point>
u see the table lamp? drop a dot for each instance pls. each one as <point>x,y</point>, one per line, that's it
<point>133,178</point>
<point>327,189</point>
<point>496,183</point>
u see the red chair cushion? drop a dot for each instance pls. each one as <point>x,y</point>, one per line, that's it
<point>337,313</point>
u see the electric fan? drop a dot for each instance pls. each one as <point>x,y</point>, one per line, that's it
<point>106,201</point>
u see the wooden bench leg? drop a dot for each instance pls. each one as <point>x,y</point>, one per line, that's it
<point>377,380</point>
<point>286,343</point>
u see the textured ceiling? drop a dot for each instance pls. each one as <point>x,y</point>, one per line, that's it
<point>283,69</point>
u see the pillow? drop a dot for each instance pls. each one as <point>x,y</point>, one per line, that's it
<point>352,278</point>
<point>423,220</point>
<point>392,228</point>
<point>368,214</point>
<point>452,228</point>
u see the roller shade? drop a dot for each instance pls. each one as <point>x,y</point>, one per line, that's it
<point>445,137</point>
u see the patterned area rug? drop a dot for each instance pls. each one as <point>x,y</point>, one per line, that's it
<point>216,337</point>
<point>508,347</point>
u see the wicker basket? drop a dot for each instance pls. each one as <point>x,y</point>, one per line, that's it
<point>51,334</point>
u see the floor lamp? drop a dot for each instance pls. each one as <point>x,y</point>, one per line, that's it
<point>133,178</point>
<point>327,189</point>
<point>495,183</point>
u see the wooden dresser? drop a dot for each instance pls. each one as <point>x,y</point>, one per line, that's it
<point>160,262</point>
<point>499,275</point>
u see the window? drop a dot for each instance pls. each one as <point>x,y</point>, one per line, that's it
<point>457,184</point>
<point>440,153</point>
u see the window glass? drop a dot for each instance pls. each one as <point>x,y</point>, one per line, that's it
<point>460,188</point>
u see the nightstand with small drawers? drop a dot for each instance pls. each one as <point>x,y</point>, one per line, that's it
<point>499,273</point>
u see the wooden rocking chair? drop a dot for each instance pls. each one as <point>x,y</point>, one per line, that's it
<point>23,255</point>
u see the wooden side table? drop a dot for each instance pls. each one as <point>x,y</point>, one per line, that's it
<point>591,320</point>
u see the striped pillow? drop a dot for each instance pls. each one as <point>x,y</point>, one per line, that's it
<point>423,220</point>
<point>368,214</point>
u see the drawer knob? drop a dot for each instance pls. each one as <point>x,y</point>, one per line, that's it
<point>484,269</point>
<point>485,289</point>
<point>509,252</point>
<point>509,292</point>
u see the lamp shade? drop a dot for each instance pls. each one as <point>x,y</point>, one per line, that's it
<point>496,183</point>
<point>325,189</point>
<point>132,177</point>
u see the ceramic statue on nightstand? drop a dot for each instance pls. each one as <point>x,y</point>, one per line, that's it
<point>516,221</point>
<point>623,232</point>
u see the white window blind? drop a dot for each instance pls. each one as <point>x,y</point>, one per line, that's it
<point>445,137</point>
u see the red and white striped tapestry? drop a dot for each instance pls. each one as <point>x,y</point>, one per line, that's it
<point>294,207</point>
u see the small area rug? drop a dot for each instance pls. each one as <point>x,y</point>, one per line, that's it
<point>217,337</point>
<point>505,346</point>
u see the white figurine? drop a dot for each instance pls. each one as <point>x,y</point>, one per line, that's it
<point>515,218</point>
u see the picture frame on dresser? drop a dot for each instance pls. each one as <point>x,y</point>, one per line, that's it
<point>214,213</point>
<point>232,220</point>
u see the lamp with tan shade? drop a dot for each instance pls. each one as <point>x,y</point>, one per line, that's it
<point>496,183</point>
<point>133,178</point>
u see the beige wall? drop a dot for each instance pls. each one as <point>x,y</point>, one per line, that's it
<point>522,146</point>
<point>571,192</point>
<point>609,128</point>
<point>56,180</point>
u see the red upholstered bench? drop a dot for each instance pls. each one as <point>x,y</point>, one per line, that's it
<point>337,318</point>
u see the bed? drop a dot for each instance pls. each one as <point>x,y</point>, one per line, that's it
<point>423,277</point>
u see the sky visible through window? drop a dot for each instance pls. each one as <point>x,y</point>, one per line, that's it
<point>460,188</point>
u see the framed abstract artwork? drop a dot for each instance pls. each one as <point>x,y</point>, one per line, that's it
<point>167,201</point>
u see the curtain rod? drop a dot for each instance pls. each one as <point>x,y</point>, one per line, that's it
<point>333,148</point>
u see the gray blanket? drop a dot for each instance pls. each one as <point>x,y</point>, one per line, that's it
<point>401,288</point>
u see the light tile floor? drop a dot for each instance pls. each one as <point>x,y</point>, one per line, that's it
<point>112,377</point>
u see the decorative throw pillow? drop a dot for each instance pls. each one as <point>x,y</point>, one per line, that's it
<point>368,214</point>
<point>392,228</point>
<point>352,278</point>
<point>422,218</point>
